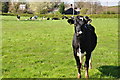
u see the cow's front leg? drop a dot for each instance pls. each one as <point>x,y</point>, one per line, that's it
<point>78,63</point>
<point>81,56</point>
<point>88,55</point>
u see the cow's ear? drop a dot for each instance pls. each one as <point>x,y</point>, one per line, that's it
<point>88,20</point>
<point>70,21</point>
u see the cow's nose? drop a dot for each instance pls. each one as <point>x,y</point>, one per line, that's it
<point>78,33</point>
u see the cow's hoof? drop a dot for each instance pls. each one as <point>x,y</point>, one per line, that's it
<point>90,67</point>
<point>86,76</point>
<point>79,76</point>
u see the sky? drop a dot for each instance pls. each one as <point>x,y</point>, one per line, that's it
<point>109,2</point>
<point>103,2</point>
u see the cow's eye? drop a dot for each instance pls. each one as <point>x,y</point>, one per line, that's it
<point>81,18</point>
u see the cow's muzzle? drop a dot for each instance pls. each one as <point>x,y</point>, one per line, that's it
<point>78,33</point>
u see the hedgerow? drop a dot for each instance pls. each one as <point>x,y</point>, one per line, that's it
<point>60,15</point>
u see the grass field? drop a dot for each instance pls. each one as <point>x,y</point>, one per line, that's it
<point>42,49</point>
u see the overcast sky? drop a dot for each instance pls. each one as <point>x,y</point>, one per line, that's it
<point>103,2</point>
<point>109,2</point>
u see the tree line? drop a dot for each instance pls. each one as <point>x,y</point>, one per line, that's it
<point>47,7</point>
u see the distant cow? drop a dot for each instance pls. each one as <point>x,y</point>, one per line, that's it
<point>48,18</point>
<point>55,18</point>
<point>84,40</point>
<point>44,18</point>
<point>33,18</point>
<point>18,17</point>
<point>72,17</point>
<point>64,17</point>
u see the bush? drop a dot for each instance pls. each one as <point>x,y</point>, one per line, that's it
<point>102,15</point>
<point>109,12</point>
<point>60,15</point>
<point>15,14</point>
<point>44,11</point>
<point>84,11</point>
<point>61,8</point>
<point>5,7</point>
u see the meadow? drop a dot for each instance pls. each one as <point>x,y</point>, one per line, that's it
<point>42,49</point>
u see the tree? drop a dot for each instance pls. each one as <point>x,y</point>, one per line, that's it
<point>79,4</point>
<point>84,11</point>
<point>89,7</point>
<point>5,7</point>
<point>97,8</point>
<point>16,7</point>
<point>41,7</point>
<point>61,8</point>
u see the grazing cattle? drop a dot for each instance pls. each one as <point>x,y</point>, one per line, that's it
<point>48,18</point>
<point>18,17</point>
<point>64,17</point>
<point>84,40</point>
<point>55,18</point>
<point>72,17</point>
<point>33,18</point>
<point>44,18</point>
<point>30,18</point>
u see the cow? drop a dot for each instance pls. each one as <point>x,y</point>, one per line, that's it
<point>72,17</point>
<point>18,17</point>
<point>48,18</point>
<point>33,18</point>
<point>55,18</point>
<point>64,17</point>
<point>84,40</point>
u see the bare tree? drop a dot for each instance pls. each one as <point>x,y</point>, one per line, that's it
<point>97,8</point>
<point>41,7</point>
<point>89,7</point>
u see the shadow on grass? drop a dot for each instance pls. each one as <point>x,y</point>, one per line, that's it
<point>113,71</point>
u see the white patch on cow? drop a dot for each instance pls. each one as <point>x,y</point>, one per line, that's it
<point>32,18</point>
<point>90,60</point>
<point>90,63</point>
<point>81,18</point>
<point>81,55</point>
<point>80,32</point>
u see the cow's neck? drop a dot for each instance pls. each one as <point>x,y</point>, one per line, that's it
<point>78,39</point>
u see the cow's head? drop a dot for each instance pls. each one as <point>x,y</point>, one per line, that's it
<point>79,22</point>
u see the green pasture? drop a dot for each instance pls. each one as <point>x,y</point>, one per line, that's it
<point>42,49</point>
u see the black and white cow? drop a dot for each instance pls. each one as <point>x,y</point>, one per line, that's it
<point>55,18</point>
<point>48,18</point>
<point>72,17</point>
<point>84,40</point>
<point>18,17</point>
<point>33,18</point>
<point>64,17</point>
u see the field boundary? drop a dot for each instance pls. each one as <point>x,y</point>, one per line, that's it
<point>60,16</point>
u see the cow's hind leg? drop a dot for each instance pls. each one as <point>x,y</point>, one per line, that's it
<point>90,63</point>
<point>88,55</point>
<point>78,63</point>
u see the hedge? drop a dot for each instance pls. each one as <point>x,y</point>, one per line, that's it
<point>40,15</point>
<point>60,15</point>
<point>104,16</point>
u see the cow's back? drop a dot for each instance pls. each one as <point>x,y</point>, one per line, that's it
<point>90,38</point>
